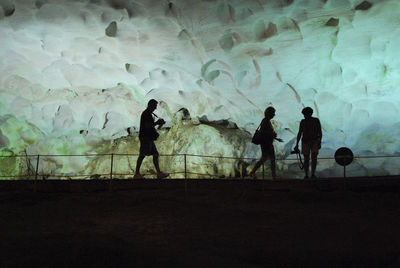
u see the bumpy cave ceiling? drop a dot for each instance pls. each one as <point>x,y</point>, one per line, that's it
<point>73,67</point>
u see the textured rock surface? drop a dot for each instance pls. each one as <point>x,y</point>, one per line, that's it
<point>60,73</point>
<point>184,137</point>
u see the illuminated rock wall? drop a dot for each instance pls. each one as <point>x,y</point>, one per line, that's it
<point>73,67</point>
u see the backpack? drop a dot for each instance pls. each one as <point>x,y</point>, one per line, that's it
<point>257,137</point>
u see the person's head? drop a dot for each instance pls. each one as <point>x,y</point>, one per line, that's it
<point>269,112</point>
<point>307,112</point>
<point>152,104</point>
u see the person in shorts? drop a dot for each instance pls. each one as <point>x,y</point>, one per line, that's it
<point>310,134</point>
<point>267,147</point>
<point>147,136</point>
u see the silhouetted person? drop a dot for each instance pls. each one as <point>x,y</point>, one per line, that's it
<point>267,147</point>
<point>311,135</point>
<point>147,136</point>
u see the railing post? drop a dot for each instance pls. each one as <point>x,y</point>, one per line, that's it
<point>344,178</point>
<point>36,172</point>
<point>263,177</point>
<point>184,158</point>
<point>111,171</point>
<point>263,173</point>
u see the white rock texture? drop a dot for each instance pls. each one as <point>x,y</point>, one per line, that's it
<point>68,67</point>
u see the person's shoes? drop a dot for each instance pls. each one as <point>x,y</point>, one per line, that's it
<point>306,177</point>
<point>138,176</point>
<point>253,175</point>
<point>313,176</point>
<point>162,175</point>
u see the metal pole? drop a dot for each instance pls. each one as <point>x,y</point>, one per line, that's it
<point>184,156</point>
<point>263,177</point>
<point>36,172</point>
<point>111,171</point>
<point>263,173</point>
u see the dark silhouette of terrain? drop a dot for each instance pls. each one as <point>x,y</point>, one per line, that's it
<point>216,223</point>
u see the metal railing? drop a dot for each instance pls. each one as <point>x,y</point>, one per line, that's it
<point>33,165</point>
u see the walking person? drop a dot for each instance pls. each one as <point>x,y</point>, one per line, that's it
<point>267,147</point>
<point>147,136</point>
<point>310,134</point>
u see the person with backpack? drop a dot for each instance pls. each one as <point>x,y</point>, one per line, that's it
<point>267,135</point>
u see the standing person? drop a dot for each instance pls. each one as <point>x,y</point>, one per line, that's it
<point>311,134</point>
<point>267,147</point>
<point>147,136</point>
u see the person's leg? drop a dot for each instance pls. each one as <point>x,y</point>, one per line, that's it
<point>258,164</point>
<point>313,164</point>
<point>273,162</point>
<point>160,174</point>
<point>316,145</point>
<point>264,156</point>
<point>305,150</point>
<point>155,154</point>
<point>306,164</point>
<point>155,162</point>
<point>142,154</point>
<point>139,163</point>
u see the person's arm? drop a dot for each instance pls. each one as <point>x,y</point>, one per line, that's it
<point>319,133</point>
<point>160,122</point>
<point>263,126</point>
<point>299,134</point>
<point>149,121</point>
<point>319,129</point>
<point>268,129</point>
<point>276,137</point>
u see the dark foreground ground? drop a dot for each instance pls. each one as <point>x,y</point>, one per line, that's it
<point>217,223</point>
